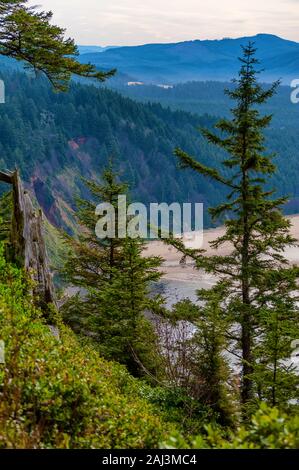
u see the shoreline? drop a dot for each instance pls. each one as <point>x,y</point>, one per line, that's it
<point>173,271</point>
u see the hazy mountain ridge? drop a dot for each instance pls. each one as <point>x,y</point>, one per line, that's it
<point>93,49</point>
<point>200,59</point>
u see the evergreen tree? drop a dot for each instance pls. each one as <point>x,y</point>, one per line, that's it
<point>209,373</point>
<point>29,36</point>
<point>255,227</point>
<point>115,277</point>
<point>93,259</point>
<point>275,374</point>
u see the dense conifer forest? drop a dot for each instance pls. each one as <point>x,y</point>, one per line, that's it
<point>102,361</point>
<point>56,138</point>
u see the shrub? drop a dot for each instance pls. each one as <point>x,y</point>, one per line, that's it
<point>268,429</point>
<point>58,393</point>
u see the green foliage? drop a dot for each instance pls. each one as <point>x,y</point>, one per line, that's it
<point>55,249</point>
<point>115,278</point>
<point>60,137</point>
<point>255,279</point>
<point>28,35</point>
<point>276,377</point>
<point>268,429</point>
<point>55,138</point>
<point>209,366</point>
<point>5,219</point>
<point>58,392</point>
<point>208,97</point>
<point>207,378</point>
<point>179,407</point>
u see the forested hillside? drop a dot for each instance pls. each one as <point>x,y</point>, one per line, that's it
<point>208,97</point>
<point>56,138</point>
<point>108,362</point>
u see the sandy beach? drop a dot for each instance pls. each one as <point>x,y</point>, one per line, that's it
<point>183,281</point>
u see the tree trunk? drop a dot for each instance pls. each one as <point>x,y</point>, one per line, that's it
<point>28,242</point>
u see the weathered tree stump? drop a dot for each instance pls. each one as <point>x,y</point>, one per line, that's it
<point>28,241</point>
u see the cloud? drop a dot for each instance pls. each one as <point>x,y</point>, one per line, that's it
<point>136,21</point>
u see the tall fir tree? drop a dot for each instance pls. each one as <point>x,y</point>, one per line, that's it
<point>115,277</point>
<point>256,229</point>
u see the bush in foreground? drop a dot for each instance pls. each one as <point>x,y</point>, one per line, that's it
<point>58,393</point>
<point>268,429</point>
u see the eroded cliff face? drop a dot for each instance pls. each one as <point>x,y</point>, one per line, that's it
<point>55,185</point>
<point>28,247</point>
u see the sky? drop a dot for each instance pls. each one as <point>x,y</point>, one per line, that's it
<point>132,22</point>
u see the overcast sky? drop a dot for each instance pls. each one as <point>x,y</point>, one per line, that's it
<point>130,22</point>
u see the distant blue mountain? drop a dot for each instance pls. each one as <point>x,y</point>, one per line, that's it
<point>93,49</point>
<point>200,60</point>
